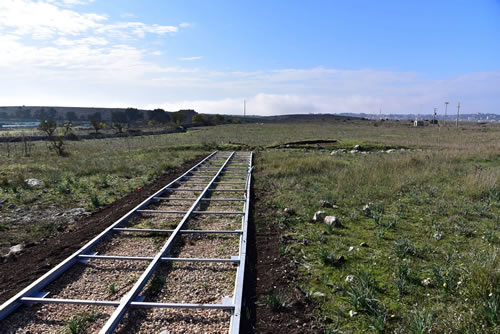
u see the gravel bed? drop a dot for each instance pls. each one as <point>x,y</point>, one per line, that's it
<point>206,246</point>
<point>97,280</point>
<point>131,244</point>
<point>213,222</point>
<point>197,282</point>
<point>175,321</point>
<point>52,318</point>
<point>166,221</point>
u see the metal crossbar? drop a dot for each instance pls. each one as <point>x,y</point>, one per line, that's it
<point>14,302</point>
<point>32,293</point>
<point>118,314</point>
<point>194,212</point>
<point>151,230</point>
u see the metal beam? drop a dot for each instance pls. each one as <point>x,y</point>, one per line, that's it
<point>151,230</point>
<point>14,302</point>
<point>150,258</point>
<point>194,212</point>
<point>118,314</point>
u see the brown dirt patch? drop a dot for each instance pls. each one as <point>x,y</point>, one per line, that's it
<point>267,273</point>
<point>39,258</point>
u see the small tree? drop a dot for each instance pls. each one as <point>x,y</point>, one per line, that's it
<point>95,121</point>
<point>67,128</point>
<point>133,114</point>
<point>49,128</point>
<point>177,118</point>
<point>118,120</point>
<point>219,119</point>
<point>198,119</point>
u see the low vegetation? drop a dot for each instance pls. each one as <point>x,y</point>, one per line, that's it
<point>420,238</point>
<point>418,250</point>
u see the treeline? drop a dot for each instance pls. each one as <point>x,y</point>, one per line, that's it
<point>125,116</point>
<point>217,119</point>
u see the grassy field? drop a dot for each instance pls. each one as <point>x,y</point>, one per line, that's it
<point>430,234</point>
<point>422,257</point>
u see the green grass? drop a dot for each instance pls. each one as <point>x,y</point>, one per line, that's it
<point>433,212</point>
<point>78,323</point>
<point>432,215</point>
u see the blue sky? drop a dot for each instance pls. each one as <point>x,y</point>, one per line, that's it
<point>281,56</point>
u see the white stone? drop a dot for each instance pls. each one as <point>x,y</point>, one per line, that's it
<point>34,182</point>
<point>333,221</point>
<point>319,216</point>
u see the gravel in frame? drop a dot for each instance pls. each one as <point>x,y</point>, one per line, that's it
<point>175,321</point>
<point>131,244</point>
<point>196,282</point>
<point>207,222</point>
<point>206,246</point>
<point>55,318</point>
<point>97,280</point>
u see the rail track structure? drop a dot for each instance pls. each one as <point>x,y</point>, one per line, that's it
<point>175,263</point>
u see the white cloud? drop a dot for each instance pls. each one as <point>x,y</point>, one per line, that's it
<point>156,53</point>
<point>99,41</point>
<point>139,29</point>
<point>276,104</point>
<point>185,25</point>
<point>44,20</point>
<point>190,58</point>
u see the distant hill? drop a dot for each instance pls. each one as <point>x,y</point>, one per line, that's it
<point>292,117</point>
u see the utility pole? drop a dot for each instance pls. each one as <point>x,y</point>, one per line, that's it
<point>435,112</point>
<point>458,112</point>
<point>244,109</point>
<point>445,112</point>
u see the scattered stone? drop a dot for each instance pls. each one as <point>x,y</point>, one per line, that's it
<point>426,282</point>
<point>34,182</point>
<point>438,235</point>
<point>45,191</point>
<point>165,332</point>
<point>353,151</point>
<point>13,252</point>
<point>319,216</point>
<point>352,313</point>
<point>366,209</point>
<point>333,221</point>
<point>74,212</point>
<point>325,204</point>
<point>363,244</point>
<point>349,279</point>
<point>288,211</point>
<point>11,206</point>
<point>357,147</point>
<point>339,151</point>
<point>318,294</point>
<point>351,249</point>
<point>391,150</point>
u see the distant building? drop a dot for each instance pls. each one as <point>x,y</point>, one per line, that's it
<point>418,123</point>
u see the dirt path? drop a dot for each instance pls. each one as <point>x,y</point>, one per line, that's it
<point>269,273</point>
<point>40,258</point>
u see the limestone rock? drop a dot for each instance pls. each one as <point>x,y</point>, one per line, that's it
<point>319,216</point>
<point>333,221</point>
<point>34,183</point>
